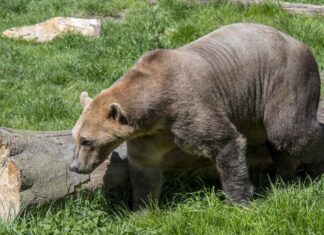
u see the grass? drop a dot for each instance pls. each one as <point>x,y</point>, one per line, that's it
<point>40,85</point>
<point>297,209</point>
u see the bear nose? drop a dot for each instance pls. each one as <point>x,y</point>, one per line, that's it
<point>74,166</point>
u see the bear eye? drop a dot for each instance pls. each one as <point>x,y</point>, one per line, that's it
<point>85,142</point>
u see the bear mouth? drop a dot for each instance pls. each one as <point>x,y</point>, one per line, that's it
<point>84,170</point>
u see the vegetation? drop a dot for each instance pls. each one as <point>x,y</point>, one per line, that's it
<point>40,85</point>
<point>297,209</point>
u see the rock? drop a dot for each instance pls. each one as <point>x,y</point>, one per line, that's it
<point>52,28</point>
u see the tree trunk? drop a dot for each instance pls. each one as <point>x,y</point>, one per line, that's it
<point>34,169</point>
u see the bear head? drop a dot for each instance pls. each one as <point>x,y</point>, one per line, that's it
<point>102,126</point>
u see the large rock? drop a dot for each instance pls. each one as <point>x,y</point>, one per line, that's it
<point>52,28</point>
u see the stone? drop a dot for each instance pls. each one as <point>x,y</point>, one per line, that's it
<point>55,27</point>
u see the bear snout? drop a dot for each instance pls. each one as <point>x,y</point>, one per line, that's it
<point>74,166</point>
<point>79,168</point>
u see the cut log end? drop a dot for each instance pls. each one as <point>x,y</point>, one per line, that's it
<point>10,182</point>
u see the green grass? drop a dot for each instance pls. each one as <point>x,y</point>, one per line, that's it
<point>40,85</point>
<point>296,209</point>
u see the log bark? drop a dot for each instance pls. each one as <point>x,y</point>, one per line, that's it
<point>34,169</point>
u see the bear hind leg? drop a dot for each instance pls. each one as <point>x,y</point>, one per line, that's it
<point>221,143</point>
<point>293,138</point>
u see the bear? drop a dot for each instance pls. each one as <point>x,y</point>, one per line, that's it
<point>241,85</point>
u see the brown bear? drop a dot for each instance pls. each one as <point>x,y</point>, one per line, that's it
<point>241,85</point>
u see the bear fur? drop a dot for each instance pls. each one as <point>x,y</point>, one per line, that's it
<point>241,86</point>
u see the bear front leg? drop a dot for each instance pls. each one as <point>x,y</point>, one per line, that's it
<point>145,157</point>
<point>232,167</point>
<point>146,185</point>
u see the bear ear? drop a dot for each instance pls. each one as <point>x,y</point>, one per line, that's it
<point>116,112</point>
<point>85,99</point>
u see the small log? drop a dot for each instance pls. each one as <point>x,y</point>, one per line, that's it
<point>299,8</point>
<point>294,8</point>
<point>34,169</point>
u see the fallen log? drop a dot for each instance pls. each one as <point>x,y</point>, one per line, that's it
<point>294,8</point>
<point>34,168</point>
